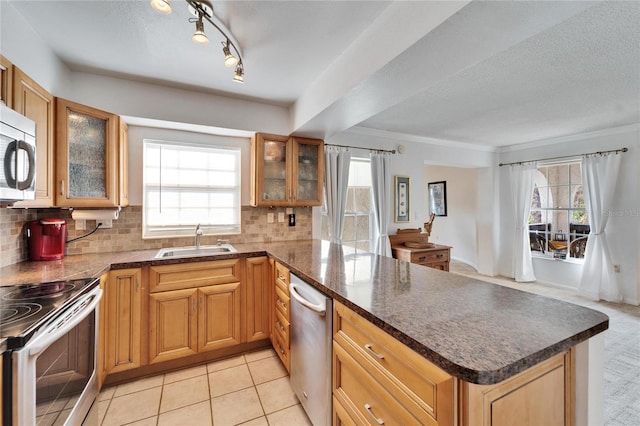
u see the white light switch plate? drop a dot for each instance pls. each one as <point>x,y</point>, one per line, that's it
<point>270,218</point>
<point>81,224</point>
<point>280,217</point>
<point>289,210</point>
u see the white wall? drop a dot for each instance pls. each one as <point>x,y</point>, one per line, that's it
<point>623,228</point>
<point>459,228</point>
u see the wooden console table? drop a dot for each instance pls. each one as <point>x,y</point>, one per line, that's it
<point>437,257</point>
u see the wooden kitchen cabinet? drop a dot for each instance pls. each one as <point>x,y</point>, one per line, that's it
<point>88,165</point>
<point>286,171</point>
<point>123,320</point>
<point>258,302</point>
<point>376,376</point>
<point>101,367</point>
<point>6,81</point>
<point>194,307</point>
<point>281,329</point>
<point>32,101</point>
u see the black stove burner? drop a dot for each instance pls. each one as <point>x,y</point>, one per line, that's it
<point>50,290</point>
<point>17,312</point>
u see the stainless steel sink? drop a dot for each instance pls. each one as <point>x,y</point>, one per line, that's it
<point>193,251</point>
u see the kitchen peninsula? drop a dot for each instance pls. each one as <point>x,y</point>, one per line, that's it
<point>479,333</point>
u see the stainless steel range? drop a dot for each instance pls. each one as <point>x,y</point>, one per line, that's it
<point>49,366</point>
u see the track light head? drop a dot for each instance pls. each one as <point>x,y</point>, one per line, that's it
<point>199,36</point>
<point>162,6</point>
<point>239,77</point>
<point>229,59</point>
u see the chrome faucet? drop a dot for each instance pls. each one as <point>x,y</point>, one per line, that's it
<point>198,235</point>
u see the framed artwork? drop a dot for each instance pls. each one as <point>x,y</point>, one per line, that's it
<point>401,199</point>
<point>437,198</point>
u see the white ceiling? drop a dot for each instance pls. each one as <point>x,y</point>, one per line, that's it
<point>486,73</point>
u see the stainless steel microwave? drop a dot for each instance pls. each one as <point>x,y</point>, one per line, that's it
<point>17,156</point>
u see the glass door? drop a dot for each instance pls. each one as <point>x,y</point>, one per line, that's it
<point>308,171</point>
<point>271,178</point>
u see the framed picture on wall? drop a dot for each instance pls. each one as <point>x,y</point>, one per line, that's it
<point>401,199</point>
<point>437,198</point>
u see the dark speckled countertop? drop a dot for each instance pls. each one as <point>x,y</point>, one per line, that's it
<point>477,331</point>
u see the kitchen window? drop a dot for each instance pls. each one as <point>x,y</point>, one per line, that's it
<point>358,215</point>
<point>558,223</point>
<point>186,185</point>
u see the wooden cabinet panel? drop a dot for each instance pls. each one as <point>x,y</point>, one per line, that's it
<point>123,320</point>
<point>87,168</point>
<point>286,171</point>
<point>280,333</point>
<point>196,274</point>
<point>173,324</point>
<point>123,164</point>
<point>32,101</point>
<point>258,303</point>
<point>541,395</point>
<point>282,302</point>
<point>219,316</point>
<point>101,366</point>
<point>6,81</point>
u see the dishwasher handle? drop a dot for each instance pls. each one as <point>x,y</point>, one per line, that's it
<point>319,308</point>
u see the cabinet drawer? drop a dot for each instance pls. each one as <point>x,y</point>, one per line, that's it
<point>427,387</point>
<point>282,350</point>
<point>430,256</point>
<point>362,396</point>
<point>282,328</point>
<point>443,266</point>
<point>196,274</point>
<point>282,277</point>
<point>282,303</point>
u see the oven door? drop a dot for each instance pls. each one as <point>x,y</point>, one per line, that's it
<point>55,379</point>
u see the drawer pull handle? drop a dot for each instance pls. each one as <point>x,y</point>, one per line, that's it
<point>377,419</point>
<point>440,255</point>
<point>281,303</point>
<point>280,349</point>
<point>280,326</point>
<point>421,258</point>
<point>377,355</point>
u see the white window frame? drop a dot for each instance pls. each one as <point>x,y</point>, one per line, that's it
<point>186,226</point>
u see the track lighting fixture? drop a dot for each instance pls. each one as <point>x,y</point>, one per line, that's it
<point>162,6</point>
<point>203,10</point>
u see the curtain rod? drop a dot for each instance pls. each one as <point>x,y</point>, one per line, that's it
<point>392,151</point>
<point>625,149</point>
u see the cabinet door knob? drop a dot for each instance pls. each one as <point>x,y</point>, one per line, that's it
<point>421,258</point>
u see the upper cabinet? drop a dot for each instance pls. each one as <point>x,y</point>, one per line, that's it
<point>89,168</point>
<point>32,101</point>
<point>286,171</point>
<point>6,80</point>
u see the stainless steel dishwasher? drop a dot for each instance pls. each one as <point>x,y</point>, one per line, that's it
<point>311,331</point>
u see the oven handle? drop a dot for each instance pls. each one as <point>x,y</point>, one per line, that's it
<point>65,323</point>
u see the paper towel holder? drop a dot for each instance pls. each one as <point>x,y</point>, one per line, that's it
<point>104,216</point>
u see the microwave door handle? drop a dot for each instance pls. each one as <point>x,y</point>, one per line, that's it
<point>12,148</point>
<point>31,157</point>
<point>62,325</point>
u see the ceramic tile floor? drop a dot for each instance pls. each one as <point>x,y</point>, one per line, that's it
<point>251,389</point>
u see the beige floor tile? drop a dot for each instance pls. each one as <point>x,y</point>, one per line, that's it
<point>132,407</point>
<point>107,393</point>
<point>56,406</point>
<point>237,407</point>
<point>289,416</point>
<point>266,369</point>
<point>276,395</point>
<point>102,409</point>
<point>261,354</point>
<point>225,363</point>
<point>183,393</point>
<point>260,421</point>
<point>192,415</point>
<point>229,380</point>
<point>186,373</point>
<point>138,385</point>
<point>149,421</point>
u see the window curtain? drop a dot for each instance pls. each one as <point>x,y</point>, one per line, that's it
<point>521,179</point>
<point>599,176</point>
<point>381,188</point>
<point>336,181</point>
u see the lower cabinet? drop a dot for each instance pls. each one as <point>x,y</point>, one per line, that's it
<point>280,313</point>
<point>258,304</point>
<point>121,314</point>
<point>204,315</point>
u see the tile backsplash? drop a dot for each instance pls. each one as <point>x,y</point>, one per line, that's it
<point>126,233</point>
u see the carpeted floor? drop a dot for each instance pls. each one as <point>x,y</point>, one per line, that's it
<point>621,345</point>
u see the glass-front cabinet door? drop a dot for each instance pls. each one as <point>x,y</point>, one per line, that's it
<point>87,155</point>
<point>308,171</point>
<point>270,178</point>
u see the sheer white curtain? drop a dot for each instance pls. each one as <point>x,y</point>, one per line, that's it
<point>521,179</point>
<point>381,188</point>
<point>336,181</point>
<point>599,176</point>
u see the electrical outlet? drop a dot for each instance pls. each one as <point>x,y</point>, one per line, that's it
<point>81,224</point>
<point>106,223</point>
<point>270,218</point>
<point>289,210</point>
<point>616,268</point>
<point>280,217</point>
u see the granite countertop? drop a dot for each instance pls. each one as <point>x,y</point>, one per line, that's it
<point>477,331</point>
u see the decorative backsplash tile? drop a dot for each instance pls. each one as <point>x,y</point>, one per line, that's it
<point>126,233</point>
